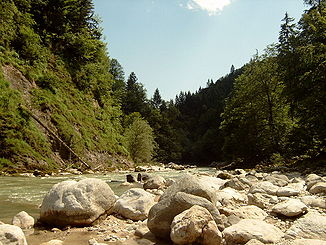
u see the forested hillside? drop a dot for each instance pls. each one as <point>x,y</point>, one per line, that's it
<point>64,102</point>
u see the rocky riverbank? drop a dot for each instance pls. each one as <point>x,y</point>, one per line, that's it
<point>225,207</point>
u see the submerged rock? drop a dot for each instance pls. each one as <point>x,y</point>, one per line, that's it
<point>76,203</point>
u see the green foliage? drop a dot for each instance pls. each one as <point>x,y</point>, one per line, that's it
<point>140,141</point>
<point>256,117</point>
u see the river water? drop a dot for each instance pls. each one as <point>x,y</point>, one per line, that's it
<point>26,193</point>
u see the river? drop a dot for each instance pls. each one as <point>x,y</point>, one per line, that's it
<point>26,193</point>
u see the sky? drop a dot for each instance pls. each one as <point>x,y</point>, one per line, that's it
<point>177,45</point>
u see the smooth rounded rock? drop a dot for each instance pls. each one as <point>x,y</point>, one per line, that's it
<point>248,229</point>
<point>12,235</point>
<point>195,225</point>
<point>318,188</point>
<point>23,220</point>
<point>264,187</point>
<point>290,208</point>
<point>76,203</point>
<point>134,204</point>
<point>155,182</point>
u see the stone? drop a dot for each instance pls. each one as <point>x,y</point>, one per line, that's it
<point>12,235</point>
<point>248,229</point>
<point>236,184</point>
<point>130,178</point>
<point>23,220</point>
<point>76,203</point>
<point>249,212</point>
<point>310,226</point>
<point>312,201</point>
<point>229,196</point>
<point>308,242</point>
<point>141,230</point>
<point>260,200</point>
<point>290,208</point>
<point>195,225</point>
<point>134,204</point>
<point>312,179</point>
<point>155,182</point>
<point>162,214</point>
<point>264,187</point>
<point>287,192</point>
<point>224,175</point>
<point>53,242</point>
<point>318,188</point>
<point>254,242</point>
<point>277,179</point>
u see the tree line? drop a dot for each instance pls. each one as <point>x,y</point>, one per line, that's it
<point>269,110</point>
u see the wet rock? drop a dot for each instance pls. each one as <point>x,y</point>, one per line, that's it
<point>23,220</point>
<point>248,229</point>
<point>311,226</point>
<point>130,178</point>
<point>76,203</point>
<point>195,225</point>
<point>12,235</point>
<point>155,182</point>
<point>134,204</point>
<point>318,188</point>
<point>290,208</point>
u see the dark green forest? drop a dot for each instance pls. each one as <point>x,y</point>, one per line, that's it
<point>65,102</point>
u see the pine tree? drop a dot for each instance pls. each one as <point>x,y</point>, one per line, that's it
<point>157,99</point>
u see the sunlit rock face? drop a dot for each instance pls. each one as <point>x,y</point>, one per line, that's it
<point>76,203</point>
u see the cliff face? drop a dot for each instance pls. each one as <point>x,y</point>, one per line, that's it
<point>46,129</point>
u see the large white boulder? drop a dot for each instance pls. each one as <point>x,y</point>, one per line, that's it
<point>229,196</point>
<point>290,208</point>
<point>12,235</point>
<point>76,203</point>
<point>311,226</point>
<point>248,229</point>
<point>248,212</point>
<point>195,225</point>
<point>264,187</point>
<point>23,220</point>
<point>134,204</point>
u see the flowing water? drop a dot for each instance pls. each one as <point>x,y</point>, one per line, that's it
<point>26,193</point>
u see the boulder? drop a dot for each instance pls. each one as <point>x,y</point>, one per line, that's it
<point>248,212</point>
<point>155,182</point>
<point>318,188</point>
<point>134,204</point>
<point>12,235</point>
<point>130,178</point>
<point>308,242</point>
<point>287,192</point>
<point>195,225</point>
<point>260,200</point>
<point>23,220</point>
<point>53,242</point>
<point>312,201</point>
<point>311,226</point>
<point>224,175</point>
<point>312,179</point>
<point>277,179</point>
<point>264,187</point>
<point>162,214</point>
<point>254,242</point>
<point>248,229</point>
<point>76,203</point>
<point>236,184</point>
<point>229,196</point>
<point>290,208</point>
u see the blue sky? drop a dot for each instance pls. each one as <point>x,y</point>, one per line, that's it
<point>177,45</point>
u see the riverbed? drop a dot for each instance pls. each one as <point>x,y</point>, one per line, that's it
<point>26,193</point>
